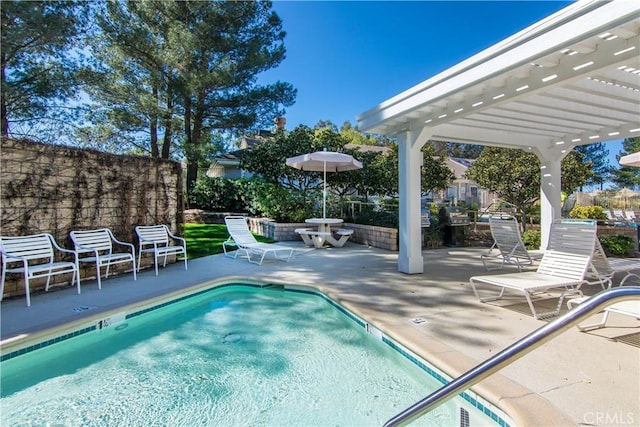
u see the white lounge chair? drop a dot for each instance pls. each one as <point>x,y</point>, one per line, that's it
<point>99,245</point>
<point>625,308</point>
<point>35,253</point>
<point>507,245</point>
<point>562,268</point>
<point>630,216</point>
<point>600,271</point>
<point>603,268</point>
<point>157,239</point>
<point>611,219</point>
<point>241,238</point>
<point>618,215</point>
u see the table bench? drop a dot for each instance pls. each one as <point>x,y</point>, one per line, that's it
<point>312,237</point>
<point>316,238</point>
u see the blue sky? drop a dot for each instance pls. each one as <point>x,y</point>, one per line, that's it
<point>345,57</point>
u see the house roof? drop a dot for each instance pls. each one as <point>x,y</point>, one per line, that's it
<point>458,166</point>
<point>572,78</point>
<point>232,158</point>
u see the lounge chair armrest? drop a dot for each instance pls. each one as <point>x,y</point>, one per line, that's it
<point>124,244</point>
<point>113,238</point>
<point>66,251</point>
<point>61,249</point>
<point>178,238</point>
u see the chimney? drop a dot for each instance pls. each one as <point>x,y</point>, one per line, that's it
<point>280,123</point>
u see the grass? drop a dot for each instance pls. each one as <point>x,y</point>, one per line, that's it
<point>206,239</point>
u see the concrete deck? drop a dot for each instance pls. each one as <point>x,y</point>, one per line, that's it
<point>577,379</point>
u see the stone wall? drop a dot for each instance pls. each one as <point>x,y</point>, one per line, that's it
<point>56,189</point>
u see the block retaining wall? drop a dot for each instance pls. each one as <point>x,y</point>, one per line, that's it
<point>378,237</point>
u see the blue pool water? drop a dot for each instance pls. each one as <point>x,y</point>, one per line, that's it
<point>234,356</point>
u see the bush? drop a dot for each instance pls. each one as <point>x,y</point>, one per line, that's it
<point>532,239</point>
<point>617,245</point>
<point>588,212</point>
<point>216,194</point>
<point>254,196</point>
<point>381,219</point>
<point>276,202</point>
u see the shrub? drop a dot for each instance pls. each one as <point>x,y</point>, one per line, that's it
<point>276,202</point>
<point>381,219</point>
<point>252,195</point>
<point>617,245</point>
<point>588,212</point>
<point>532,239</point>
<point>433,232</point>
<point>216,194</point>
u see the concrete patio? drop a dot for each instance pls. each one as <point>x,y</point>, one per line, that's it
<point>576,379</point>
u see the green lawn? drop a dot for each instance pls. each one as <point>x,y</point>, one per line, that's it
<point>206,239</point>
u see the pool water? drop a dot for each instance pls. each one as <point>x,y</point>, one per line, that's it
<point>238,356</point>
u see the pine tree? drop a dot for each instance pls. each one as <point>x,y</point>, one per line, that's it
<point>627,176</point>
<point>38,66</point>
<point>597,154</point>
<point>188,70</point>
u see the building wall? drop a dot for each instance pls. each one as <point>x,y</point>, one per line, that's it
<point>57,189</point>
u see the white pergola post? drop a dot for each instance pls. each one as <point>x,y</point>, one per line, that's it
<point>550,189</point>
<point>410,259</point>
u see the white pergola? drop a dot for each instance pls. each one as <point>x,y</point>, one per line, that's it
<point>570,79</point>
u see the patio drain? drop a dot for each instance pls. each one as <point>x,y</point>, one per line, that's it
<point>418,321</point>
<point>630,339</point>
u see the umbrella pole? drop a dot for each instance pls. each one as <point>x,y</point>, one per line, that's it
<point>324,192</point>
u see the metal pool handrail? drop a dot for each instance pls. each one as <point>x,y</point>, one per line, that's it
<point>514,352</point>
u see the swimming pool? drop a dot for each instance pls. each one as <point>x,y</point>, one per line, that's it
<point>236,354</point>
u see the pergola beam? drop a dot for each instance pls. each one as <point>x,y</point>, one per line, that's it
<point>570,79</point>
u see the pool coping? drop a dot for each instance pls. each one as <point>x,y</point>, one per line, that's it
<point>525,407</point>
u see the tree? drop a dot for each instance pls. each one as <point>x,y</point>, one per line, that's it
<point>38,65</point>
<point>225,45</point>
<point>354,136</point>
<point>191,66</point>
<point>455,149</point>
<point>380,155</point>
<point>596,154</point>
<point>133,80</point>
<point>435,173</point>
<point>267,159</point>
<point>627,176</point>
<point>514,175</point>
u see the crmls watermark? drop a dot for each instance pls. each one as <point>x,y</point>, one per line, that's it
<point>610,418</point>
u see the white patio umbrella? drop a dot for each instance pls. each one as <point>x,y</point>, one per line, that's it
<point>324,161</point>
<point>632,159</point>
